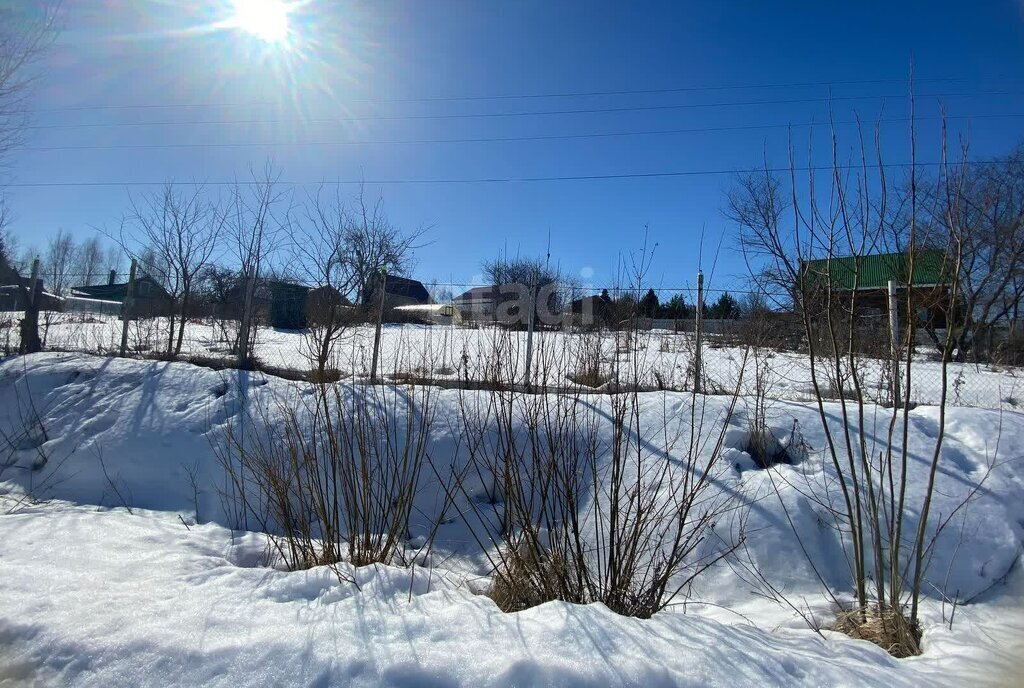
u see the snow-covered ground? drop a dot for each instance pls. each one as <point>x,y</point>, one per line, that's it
<point>93,594</point>
<point>100,597</point>
<point>665,359</point>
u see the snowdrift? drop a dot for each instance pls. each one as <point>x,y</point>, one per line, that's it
<point>193,605</point>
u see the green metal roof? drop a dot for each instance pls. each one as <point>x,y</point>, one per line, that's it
<point>875,271</point>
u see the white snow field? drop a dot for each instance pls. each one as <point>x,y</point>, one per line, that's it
<point>165,593</point>
<point>454,353</point>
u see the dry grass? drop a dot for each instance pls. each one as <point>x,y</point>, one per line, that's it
<point>890,630</point>
<point>523,580</point>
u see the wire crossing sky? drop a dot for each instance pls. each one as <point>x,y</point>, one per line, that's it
<point>498,125</point>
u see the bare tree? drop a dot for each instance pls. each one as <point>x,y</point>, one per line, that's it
<point>757,206</point>
<point>26,30</point>
<point>514,277</point>
<point>59,262</point>
<point>5,219</point>
<point>885,529</point>
<point>175,235</point>
<point>324,258</point>
<point>255,225</point>
<point>113,258</point>
<point>374,244</point>
<point>9,249</point>
<point>89,262</point>
<point>990,209</point>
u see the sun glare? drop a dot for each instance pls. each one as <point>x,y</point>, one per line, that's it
<point>264,19</point>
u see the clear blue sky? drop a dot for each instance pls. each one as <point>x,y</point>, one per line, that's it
<point>343,54</point>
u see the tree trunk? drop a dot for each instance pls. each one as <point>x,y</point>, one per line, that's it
<point>181,324</point>
<point>170,335</point>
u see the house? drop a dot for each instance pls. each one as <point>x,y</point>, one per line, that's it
<point>14,291</point>
<point>287,309</point>
<point>479,303</point>
<point>13,297</point>
<point>327,306</point>
<point>863,281</point>
<point>149,298</point>
<point>398,291</point>
<point>593,311</point>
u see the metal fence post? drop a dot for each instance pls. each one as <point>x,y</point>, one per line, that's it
<point>380,319</point>
<point>126,308</point>
<point>894,342</point>
<point>530,318</point>
<point>698,363</point>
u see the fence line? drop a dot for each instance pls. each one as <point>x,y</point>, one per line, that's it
<point>447,346</point>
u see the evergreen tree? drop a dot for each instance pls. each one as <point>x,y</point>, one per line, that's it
<point>649,304</point>
<point>675,308</point>
<point>726,308</point>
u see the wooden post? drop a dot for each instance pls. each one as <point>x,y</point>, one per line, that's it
<point>33,285</point>
<point>126,308</point>
<point>380,319</point>
<point>894,342</point>
<point>30,342</point>
<point>698,363</point>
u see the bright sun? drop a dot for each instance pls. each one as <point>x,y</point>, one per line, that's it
<point>265,19</point>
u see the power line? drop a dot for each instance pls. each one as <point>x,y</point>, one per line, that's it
<point>520,96</point>
<point>486,115</point>
<point>503,139</point>
<point>504,180</point>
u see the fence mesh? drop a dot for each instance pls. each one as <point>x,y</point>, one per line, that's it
<point>769,355</point>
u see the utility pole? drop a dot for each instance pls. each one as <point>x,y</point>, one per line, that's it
<point>380,319</point>
<point>126,307</point>
<point>698,363</point>
<point>894,342</point>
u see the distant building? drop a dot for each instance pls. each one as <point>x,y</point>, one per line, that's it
<point>327,306</point>
<point>479,303</point>
<point>593,311</point>
<point>14,296</point>
<point>398,291</point>
<point>287,309</point>
<point>149,298</point>
<point>863,281</point>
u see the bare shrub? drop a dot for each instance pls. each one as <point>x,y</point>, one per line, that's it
<point>570,500</point>
<point>589,368</point>
<point>886,530</point>
<point>23,441</point>
<point>331,476</point>
<point>594,498</point>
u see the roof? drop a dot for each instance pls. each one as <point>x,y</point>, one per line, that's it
<point>116,292</point>
<point>403,286</point>
<point>103,292</point>
<point>478,294</point>
<point>284,287</point>
<point>874,272</point>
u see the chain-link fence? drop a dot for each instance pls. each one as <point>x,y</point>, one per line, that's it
<point>601,339</point>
